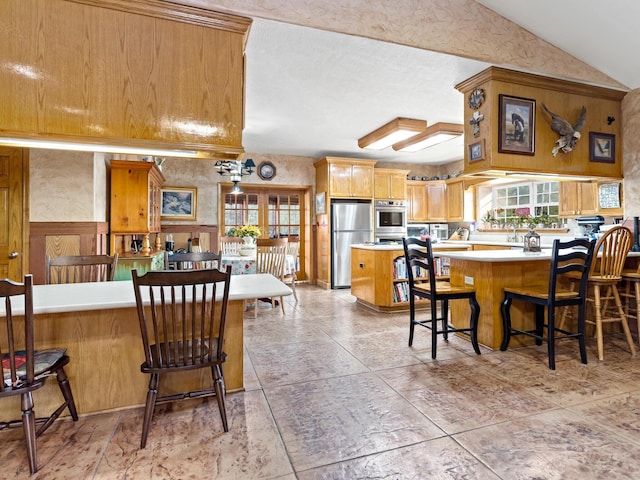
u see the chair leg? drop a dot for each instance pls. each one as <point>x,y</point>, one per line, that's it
<point>255,308</point>
<point>636,285</point>
<point>29,426</point>
<point>282,305</point>
<point>412,319</point>
<point>434,327</point>
<point>445,319</point>
<point>562,324</point>
<point>505,310</point>
<point>218,383</point>
<point>582,313</point>
<point>65,388</point>
<point>293,288</point>
<point>152,394</point>
<point>539,323</point>
<point>623,319</point>
<point>473,322</point>
<point>597,307</point>
<point>551,334</point>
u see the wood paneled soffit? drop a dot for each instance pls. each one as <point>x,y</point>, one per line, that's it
<point>176,12</point>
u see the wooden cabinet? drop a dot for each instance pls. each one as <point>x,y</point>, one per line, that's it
<point>436,201</point>
<point>345,177</point>
<point>135,201</point>
<point>461,199</point>
<point>578,198</point>
<point>416,201</point>
<point>390,184</point>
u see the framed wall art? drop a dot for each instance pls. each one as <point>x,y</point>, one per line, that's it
<point>178,203</point>
<point>321,204</point>
<point>476,151</point>
<point>602,147</point>
<point>516,125</point>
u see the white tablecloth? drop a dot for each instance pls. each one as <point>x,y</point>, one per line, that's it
<point>246,265</point>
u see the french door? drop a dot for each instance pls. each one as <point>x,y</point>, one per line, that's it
<point>276,211</point>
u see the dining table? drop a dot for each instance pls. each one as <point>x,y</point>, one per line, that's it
<point>246,264</point>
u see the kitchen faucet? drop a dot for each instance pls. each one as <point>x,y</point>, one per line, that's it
<point>513,238</point>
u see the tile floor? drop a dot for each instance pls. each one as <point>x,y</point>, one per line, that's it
<point>333,392</point>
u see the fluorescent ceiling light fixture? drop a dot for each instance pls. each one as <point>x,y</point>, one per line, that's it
<point>435,134</point>
<point>92,147</point>
<point>392,132</point>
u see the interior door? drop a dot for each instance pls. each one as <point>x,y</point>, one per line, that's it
<point>14,168</point>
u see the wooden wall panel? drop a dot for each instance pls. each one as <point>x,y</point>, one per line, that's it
<point>80,72</point>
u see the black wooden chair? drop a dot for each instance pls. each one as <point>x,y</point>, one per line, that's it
<point>191,260</point>
<point>567,260</point>
<point>81,268</point>
<point>419,260</point>
<point>182,321</point>
<point>26,370</point>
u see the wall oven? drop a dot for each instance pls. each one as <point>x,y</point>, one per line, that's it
<point>390,220</point>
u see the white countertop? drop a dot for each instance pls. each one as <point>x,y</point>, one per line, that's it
<point>507,255</point>
<point>398,246</point>
<point>73,297</point>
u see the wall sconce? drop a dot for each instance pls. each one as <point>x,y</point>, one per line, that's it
<point>392,132</point>
<point>435,134</point>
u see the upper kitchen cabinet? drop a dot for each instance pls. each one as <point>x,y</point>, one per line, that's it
<point>135,201</point>
<point>460,199</point>
<point>590,198</point>
<point>345,177</point>
<point>436,201</point>
<point>416,201</point>
<point>390,184</point>
<point>157,75</point>
<point>507,131</point>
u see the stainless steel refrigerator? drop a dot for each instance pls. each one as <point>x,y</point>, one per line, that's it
<point>351,222</point>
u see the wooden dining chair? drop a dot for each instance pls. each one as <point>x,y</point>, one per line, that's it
<point>604,277</point>
<point>25,370</point>
<point>418,256</point>
<point>271,254</point>
<point>81,268</point>
<point>569,261</point>
<point>182,318</point>
<point>191,260</point>
<point>289,277</point>
<point>230,245</point>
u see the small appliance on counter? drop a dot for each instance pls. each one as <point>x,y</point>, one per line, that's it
<point>436,231</point>
<point>589,226</point>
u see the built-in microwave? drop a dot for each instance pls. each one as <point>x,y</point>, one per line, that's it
<point>390,218</point>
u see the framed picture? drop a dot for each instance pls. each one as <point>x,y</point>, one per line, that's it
<point>321,206</point>
<point>602,147</point>
<point>516,125</point>
<point>476,151</point>
<point>178,203</point>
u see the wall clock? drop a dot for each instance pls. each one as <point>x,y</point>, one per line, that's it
<point>266,171</point>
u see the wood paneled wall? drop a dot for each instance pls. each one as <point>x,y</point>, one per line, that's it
<point>143,77</point>
<point>64,238</point>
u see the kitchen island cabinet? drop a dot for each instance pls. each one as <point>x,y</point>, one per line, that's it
<point>378,275</point>
<point>98,325</point>
<point>490,271</point>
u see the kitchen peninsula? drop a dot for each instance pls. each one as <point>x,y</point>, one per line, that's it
<point>98,324</point>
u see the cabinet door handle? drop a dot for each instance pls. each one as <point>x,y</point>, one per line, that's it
<point>13,255</point>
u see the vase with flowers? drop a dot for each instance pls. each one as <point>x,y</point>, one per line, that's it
<point>249,233</point>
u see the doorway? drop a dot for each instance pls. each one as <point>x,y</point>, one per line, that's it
<point>278,211</point>
<point>14,213</point>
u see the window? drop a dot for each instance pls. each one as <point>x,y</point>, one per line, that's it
<point>535,199</point>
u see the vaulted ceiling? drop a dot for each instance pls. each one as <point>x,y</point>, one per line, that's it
<point>314,91</point>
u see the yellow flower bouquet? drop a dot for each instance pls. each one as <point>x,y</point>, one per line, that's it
<point>245,231</point>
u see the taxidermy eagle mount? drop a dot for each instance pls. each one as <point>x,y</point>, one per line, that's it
<point>569,134</point>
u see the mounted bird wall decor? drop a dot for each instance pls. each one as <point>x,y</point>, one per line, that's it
<point>569,134</point>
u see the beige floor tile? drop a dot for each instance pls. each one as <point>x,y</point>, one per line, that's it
<point>439,459</point>
<point>281,364</point>
<point>553,445</point>
<point>327,421</point>
<point>459,395</point>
